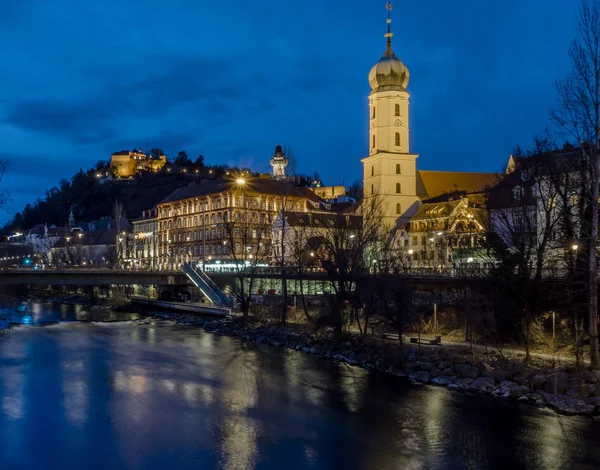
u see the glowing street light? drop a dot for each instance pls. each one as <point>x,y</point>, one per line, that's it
<point>240,181</point>
<point>575,247</point>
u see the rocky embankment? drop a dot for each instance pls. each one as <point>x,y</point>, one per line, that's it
<point>566,390</point>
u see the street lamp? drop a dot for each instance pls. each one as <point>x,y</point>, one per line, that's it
<point>240,181</point>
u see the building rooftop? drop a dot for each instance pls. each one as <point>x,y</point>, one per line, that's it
<point>435,184</point>
<point>253,185</point>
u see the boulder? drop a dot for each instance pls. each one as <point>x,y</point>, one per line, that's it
<point>443,380</point>
<point>538,381</point>
<point>571,406</point>
<point>464,383</point>
<point>466,371</point>
<point>519,378</point>
<point>581,391</point>
<point>445,364</point>
<point>434,372</point>
<point>499,375</point>
<point>420,376</point>
<point>558,383</point>
<point>484,368</point>
<point>482,384</point>
<point>447,371</point>
<point>593,401</point>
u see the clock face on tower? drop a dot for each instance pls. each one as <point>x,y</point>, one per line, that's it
<point>398,123</point>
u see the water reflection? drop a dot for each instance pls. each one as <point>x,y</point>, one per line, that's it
<point>164,396</point>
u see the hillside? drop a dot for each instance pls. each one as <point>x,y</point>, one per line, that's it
<point>92,196</point>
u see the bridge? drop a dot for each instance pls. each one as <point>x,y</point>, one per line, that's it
<point>95,277</point>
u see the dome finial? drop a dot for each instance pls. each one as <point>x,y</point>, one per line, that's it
<point>389,33</point>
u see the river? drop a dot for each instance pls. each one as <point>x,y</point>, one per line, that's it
<point>127,395</point>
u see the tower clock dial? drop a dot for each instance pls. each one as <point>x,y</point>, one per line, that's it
<point>398,123</point>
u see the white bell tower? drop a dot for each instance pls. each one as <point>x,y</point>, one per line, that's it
<point>390,170</point>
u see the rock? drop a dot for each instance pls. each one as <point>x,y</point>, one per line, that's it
<point>466,371</point>
<point>420,376</point>
<point>452,387</point>
<point>523,398</point>
<point>482,384</point>
<point>596,419</point>
<point>540,403</point>
<point>464,383</point>
<point>592,376</point>
<point>434,372</point>
<point>534,396</point>
<point>484,369</point>
<point>447,371</point>
<point>516,369</point>
<point>593,401</point>
<point>538,381</point>
<point>519,378</point>
<point>443,380</point>
<point>571,406</point>
<point>558,383</point>
<point>581,391</point>
<point>445,364</point>
<point>499,375</point>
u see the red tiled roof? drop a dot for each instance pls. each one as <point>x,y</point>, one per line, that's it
<point>433,184</point>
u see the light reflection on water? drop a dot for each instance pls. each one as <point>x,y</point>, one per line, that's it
<point>165,396</point>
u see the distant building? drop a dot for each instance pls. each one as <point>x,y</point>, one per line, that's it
<point>126,163</point>
<point>144,252</point>
<point>194,221</point>
<point>85,249</point>
<point>329,192</point>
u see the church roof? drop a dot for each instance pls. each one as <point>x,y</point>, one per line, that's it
<point>444,184</point>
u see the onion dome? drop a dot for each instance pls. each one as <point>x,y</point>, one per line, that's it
<point>389,71</point>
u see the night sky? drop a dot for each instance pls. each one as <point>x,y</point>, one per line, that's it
<point>232,79</point>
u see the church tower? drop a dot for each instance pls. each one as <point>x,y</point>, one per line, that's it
<point>390,170</point>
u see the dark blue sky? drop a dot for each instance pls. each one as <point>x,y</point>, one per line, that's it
<point>231,79</point>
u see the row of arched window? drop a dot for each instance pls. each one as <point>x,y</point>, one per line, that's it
<point>396,140</point>
<point>396,111</point>
<point>398,170</point>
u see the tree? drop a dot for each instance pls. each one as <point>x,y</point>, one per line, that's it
<point>348,251</point>
<point>182,159</point>
<point>118,214</point>
<point>156,152</point>
<point>247,245</point>
<point>292,165</point>
<point>200,162</point>
<point>578,115</point>
<point>355,190</point>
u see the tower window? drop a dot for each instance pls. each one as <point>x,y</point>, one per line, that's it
<point>372,171</point>
<point>373,145</point>
<point>372,189</point>
<point>398,169</point>
<point>398,209</point>
<point>397,139</point>
<point>373,116</point>
<point>397,113</point>
<point>397,188</point>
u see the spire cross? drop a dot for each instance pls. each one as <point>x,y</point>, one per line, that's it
<point>389,34</point>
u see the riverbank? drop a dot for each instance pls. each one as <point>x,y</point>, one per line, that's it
<point>566,390</point>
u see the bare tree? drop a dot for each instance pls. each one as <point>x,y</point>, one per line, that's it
<point>578,115</point>
<point>247,245</point>
<point>118,214</point>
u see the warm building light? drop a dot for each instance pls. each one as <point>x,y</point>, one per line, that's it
<point>574,247</point>
<point>440,234</point>
<point>469,260</point>
<point>80,235</point>
<point>240,181</point>
<point>410,252</point>
<point>431,239</point>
